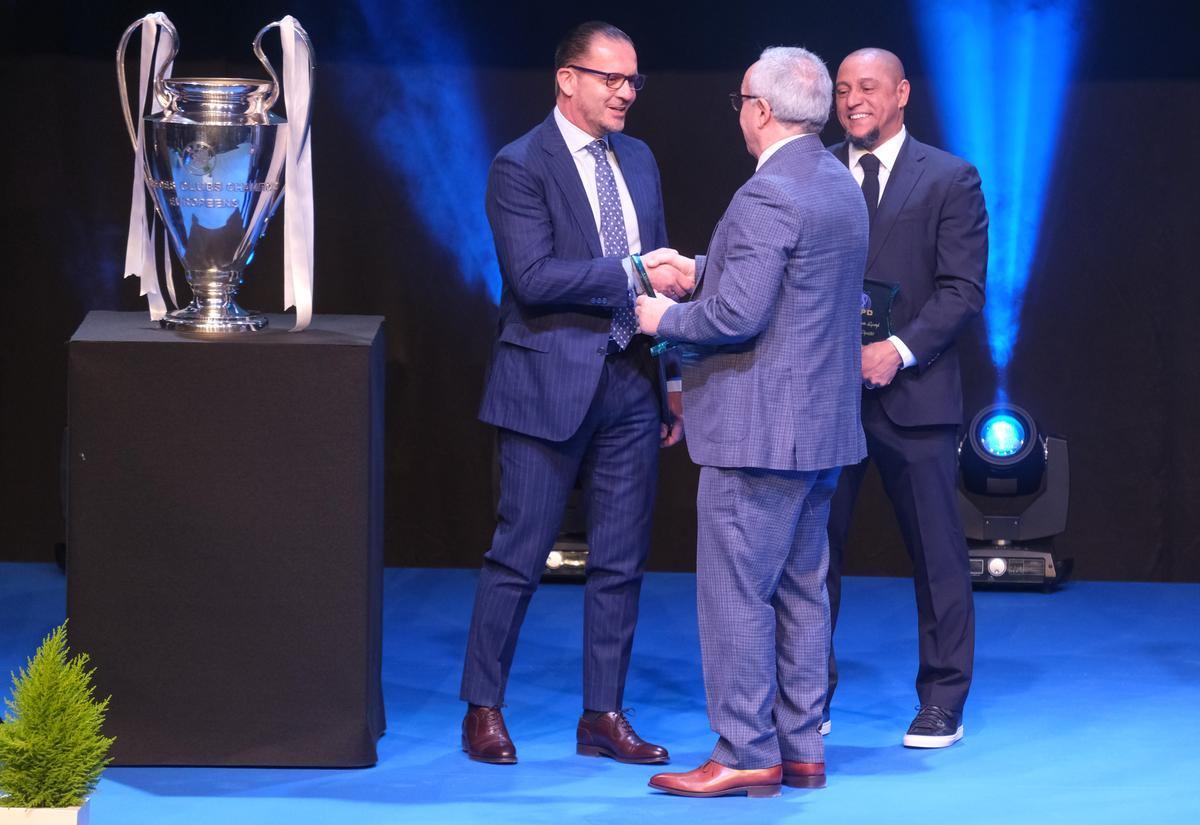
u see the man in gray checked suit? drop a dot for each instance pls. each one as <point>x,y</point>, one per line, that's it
<point>771,389</point>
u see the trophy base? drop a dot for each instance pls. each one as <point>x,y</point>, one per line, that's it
<point>231,319</point>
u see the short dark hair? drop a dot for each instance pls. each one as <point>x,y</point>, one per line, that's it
<point>578,40</point>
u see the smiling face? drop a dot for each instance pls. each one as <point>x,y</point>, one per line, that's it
<point>870,96</point>
<point>586,100</point>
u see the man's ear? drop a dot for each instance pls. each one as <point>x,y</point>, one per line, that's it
<point>566,80</point>
<point>764,113</point>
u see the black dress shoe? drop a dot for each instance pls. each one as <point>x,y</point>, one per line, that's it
<point>610,734</point>
<point>934,727</point>
<point>485,738</point>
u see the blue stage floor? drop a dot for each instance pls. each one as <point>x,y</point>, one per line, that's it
<point>1085,708</point>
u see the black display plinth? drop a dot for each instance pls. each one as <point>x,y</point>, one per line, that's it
<point>224,563</point>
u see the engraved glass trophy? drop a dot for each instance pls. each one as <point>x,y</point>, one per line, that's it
<point>877,298</point>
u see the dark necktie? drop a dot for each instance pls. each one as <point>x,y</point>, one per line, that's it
<point>870,185</point>
<point>614,241</point>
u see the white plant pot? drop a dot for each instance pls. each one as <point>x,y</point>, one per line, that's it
<point>45,816</point>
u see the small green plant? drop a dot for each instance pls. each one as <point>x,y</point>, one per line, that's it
<point>51,748</point>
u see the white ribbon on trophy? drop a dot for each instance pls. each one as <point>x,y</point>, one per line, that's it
<point>298,188</point>
<point>267,157</point>
<point>140,257</point>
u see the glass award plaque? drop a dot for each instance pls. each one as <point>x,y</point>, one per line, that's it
<point>877,299</point>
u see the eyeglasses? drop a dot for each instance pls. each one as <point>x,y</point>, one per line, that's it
<point>736,99</point>
<point>614,80</point>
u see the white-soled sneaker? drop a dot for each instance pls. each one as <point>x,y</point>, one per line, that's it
<point>934,727</point>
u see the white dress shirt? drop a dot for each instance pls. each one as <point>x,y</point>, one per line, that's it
<point>585,163</point>
<point>775,147</point>
<point>886,152</point>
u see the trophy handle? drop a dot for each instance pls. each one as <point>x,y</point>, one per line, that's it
<point>262,58</point>
<point>126,109</point>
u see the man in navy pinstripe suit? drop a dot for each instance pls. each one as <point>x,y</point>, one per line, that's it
<point>771,387</point>
<point>572,388</point>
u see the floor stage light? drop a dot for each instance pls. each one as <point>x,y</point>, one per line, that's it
<point>1014,484</point>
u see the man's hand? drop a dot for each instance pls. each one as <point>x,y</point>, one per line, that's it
<point>672,431</point>
<point>880,363</point>
<point>650,312</point>
<point>670,273</point>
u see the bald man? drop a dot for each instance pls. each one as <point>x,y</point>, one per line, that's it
<point>928,236</point>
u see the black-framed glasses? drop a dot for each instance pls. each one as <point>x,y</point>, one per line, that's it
<point>736,99</point>
<point>614,80</point>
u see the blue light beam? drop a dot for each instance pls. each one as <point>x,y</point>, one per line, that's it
<point>1000,70</point>
<point>430,130</point>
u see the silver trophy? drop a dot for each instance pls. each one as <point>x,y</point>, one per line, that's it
<point>214,161</point>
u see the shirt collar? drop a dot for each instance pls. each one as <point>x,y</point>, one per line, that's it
<point>575,137</point>
<point>775,147</point>
<point>887,152</point>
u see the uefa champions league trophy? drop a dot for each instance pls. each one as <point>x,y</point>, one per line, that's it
<point>215,159</point>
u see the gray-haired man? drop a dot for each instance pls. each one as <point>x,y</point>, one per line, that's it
<point>772,396</point>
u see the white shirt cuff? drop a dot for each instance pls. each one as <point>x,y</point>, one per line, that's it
<point>905,353</point>
<point>675,385</point>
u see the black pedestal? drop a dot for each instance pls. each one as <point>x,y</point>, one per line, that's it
<point>224,563</point>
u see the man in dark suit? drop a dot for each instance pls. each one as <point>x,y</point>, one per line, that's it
<point>771,386</point>
<point>929,236</point>
<point>572,388</point>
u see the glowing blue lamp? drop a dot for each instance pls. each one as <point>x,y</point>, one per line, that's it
<point>1003,452</point>
<point>1002,435</point>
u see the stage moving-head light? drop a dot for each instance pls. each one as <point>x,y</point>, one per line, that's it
<point>1002,453</point>
<point>1014,486</point>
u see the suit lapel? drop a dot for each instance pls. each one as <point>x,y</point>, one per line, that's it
<point>566,175</point>
<point>708,251</point>
<point>841,151</point>
<point>910,165</point>
<point>640,190</point>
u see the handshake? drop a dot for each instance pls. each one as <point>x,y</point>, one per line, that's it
<point>673,277</point>
<point>670,273</point>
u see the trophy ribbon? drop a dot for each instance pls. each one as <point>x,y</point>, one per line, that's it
<point>298,200</point>
<point>140,253</point>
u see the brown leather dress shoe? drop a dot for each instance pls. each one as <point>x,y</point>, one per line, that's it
<point>610,734</point>
<point>484,737</point>
<point>804,774</point>
<point>714,779</point>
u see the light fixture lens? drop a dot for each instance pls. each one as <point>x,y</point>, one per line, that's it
<point>1002,435</point>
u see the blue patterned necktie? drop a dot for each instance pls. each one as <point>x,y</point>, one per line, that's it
<point>613,239</point>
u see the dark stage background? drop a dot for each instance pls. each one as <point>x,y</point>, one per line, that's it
<point>1103,358</point>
